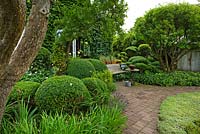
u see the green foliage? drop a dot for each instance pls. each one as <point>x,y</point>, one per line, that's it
<point>171,31</point>
<point>98,90</point>
<point>108,59</point>
<point>144,50</point>
<point>56,13</point>
<point>103,120</point>
<point>23,90</point>
<point>123,40</point>
<point>131,51</point>
<point>94,24</point>
<point>60,56</point>
<point>22,119</point>
<point>143,64</point>
<point>138,59</point>
<point>105,76</point>
<point>179,113</point>
<point>80,68</point>
<point>37,76</point>
<point>98,65</point>
<point>62,93</point>
<point>122,56</point>
<point>99,120</point>
<point>193,127</point>
<point>178,78</point>
<point>41,68</point>
<point>42,61</point>
<point>109,16</point>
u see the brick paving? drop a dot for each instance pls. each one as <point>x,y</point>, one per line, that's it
<point>143,103</point>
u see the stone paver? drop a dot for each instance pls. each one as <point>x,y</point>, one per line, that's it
<point>143,103</point>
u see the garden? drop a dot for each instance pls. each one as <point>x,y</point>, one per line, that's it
<point>68,88</point>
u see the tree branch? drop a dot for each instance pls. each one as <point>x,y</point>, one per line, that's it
<point>32,38</point>
<point>12,21</point>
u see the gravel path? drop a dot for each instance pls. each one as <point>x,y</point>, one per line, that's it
<point>143,102</point>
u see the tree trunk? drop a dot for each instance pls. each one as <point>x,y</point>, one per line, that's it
<point>19,56</point>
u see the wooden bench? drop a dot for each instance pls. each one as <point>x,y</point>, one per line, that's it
<point>115,69</point>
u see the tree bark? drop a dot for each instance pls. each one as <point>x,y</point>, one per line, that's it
<point>21,54</point>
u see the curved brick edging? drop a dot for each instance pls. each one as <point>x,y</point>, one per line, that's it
<point>143,103</point>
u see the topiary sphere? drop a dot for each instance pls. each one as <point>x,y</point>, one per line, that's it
<point>98,65</point>
<point>98,89</point>
<point>62,93</point>
<point>80,68</point>
<point>23,90</point>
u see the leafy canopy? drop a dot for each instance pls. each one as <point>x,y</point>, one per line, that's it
<point>171,31</point>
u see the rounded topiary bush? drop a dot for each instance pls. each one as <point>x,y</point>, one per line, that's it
<point>98,89</point>
<point>98,65</point>
<point>23,90</point>
<point>62,93</point>
<point>80,68</point>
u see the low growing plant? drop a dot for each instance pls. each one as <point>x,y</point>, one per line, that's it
<point>179,113</point>
<point>179,78</point>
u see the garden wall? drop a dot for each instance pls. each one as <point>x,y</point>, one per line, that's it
<point>190,61</point>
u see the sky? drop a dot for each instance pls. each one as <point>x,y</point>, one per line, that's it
<point>137,8</point>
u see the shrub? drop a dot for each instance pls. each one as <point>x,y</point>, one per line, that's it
<point>42,61</point>
<point>98,90</point>
<point>39,76</point>
<point>62,93</point>
<point>141,66</point>
<point>138,59</point>
<point>107,77</point>
<point>122,56</point>
<point>131,51</point>
<point>98,65</point>
<point>80,68</point>
<point>178,114</point>
<point>179,78</point>
<point>144,50</point>
<point>23,90</point>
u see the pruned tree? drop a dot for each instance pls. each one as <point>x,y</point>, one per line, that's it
<point>19,44</point>
<point>171,30</point>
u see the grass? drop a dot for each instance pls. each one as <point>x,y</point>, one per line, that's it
<point>178,112</point>
<point>99,120</point>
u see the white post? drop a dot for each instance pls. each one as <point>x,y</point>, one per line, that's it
<point>74,48</point>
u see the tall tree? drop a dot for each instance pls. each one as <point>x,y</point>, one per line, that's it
<point>171,30</point>
<point>17,49</point>
<point>95,22</point>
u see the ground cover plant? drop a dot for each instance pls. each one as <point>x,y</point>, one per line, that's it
<point>177,78</point>
<point>180,114</point>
